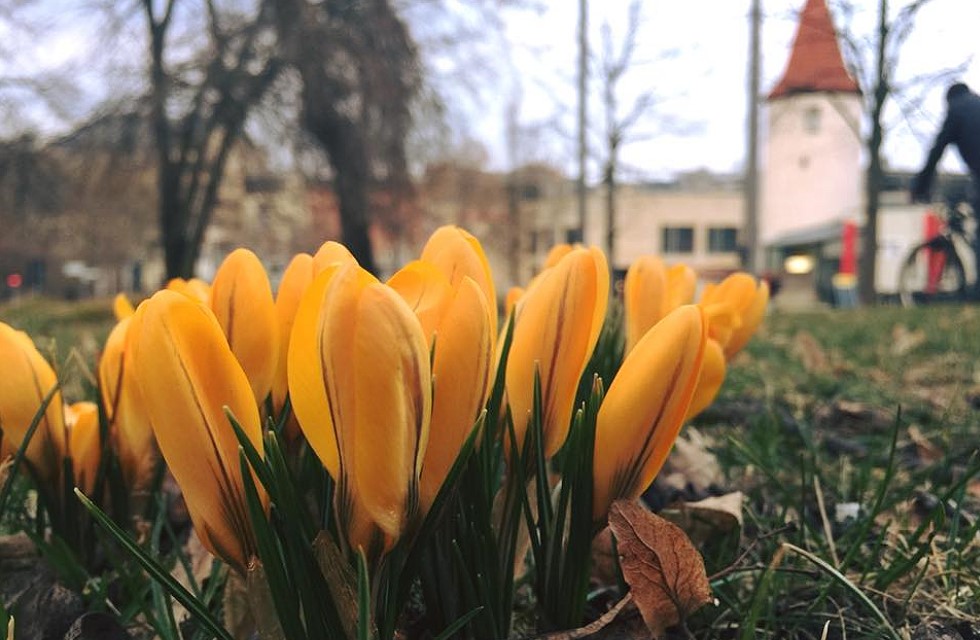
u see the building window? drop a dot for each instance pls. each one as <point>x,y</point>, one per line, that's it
<point>678,240</point>
<point>811,120</point>
<point>722,240</point>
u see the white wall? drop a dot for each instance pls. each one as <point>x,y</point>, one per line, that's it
<point>812,171</point>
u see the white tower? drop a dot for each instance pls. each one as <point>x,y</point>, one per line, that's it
<point>812,174</point>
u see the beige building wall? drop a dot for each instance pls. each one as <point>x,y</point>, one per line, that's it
<point>643,216</point>
<point>812,168</point>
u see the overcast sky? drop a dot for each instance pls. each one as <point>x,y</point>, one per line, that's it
<point>692,55</point>
<point>702,80</point>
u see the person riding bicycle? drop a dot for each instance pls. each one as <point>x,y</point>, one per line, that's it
<point>962,128</point>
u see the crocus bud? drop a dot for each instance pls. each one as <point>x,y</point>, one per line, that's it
<point>187,375</point>
<point>556,329</point>
<point>645,407</point>
<point>194,288</point>
<point>456,322</point>
<point>241,299</point>
<point>748,300</point>
<point>366,361</point>
<point>295,280</point>
<point>129,424</point>
<point>459,254</point>
<point>27,378</point>
<point>84,443</point>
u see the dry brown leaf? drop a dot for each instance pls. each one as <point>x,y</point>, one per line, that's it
<point>707,519</point>
<point>691,464</point>
<point>811,354</point>
<point>665,572</point>
<point>904,340</point>
<point>237,609</point>
<point>928,452</point>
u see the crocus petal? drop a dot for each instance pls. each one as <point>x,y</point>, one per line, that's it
<point>329,253</point>
<point>84,443</point>
<point>682,282</point>
<point>187,375</point>
<point>510,301</point>
<point>645,407</point>
<point>644,297</point>
<point>556,253</point>
<point>426,290</point>
<point>241,299</point>
<point>26,379</point>
<point>712,377</point>
<point>752,316</point>
<point>195,288</point>
<point>129,424</point>
<point>307,387</point>
<point>122,307</point>
<point>723,320</point>
<point>459,254</point>
<point>461,372</point>
<point>556,329</point>
<point>295,281</point>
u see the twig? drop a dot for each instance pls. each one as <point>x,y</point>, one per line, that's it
<point>733,567</point>
<point>592,627</point>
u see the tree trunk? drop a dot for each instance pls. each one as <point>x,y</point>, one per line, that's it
<point>869,241</point>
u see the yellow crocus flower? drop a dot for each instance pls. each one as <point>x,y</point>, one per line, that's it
<point>84,443</point>
<point>456,322</point>
<point>129,424</point>
<point>556,329</point>
<point>122,307</point>
<point>295,280</point>
<point>241,299</point>
<point>26,379</point>
<point>193,288</point>
<point>331,252</point>
<point>459,254</point>
<point>748,298</point>
<point>712,376</point>
<point>645,407</point>
<point>361,375</point>
<point>651,291</point>
<point>187,375</point>
<point>555,254</point>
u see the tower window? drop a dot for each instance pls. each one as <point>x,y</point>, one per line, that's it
<point>811,120</point>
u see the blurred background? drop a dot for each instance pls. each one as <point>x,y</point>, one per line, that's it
<point>145,139</point>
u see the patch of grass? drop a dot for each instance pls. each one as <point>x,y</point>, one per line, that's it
<point>872,411</point>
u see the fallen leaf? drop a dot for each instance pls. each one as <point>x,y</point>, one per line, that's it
<point>665,572</point>
<point>237,609</point>
<point>927,451</point>
<point>707,519</point>
<point>812,356</point>
<point>904,341</point>
<point>691,465</point>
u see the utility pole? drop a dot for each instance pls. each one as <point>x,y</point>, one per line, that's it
<point>583,96</point>
<point>750,242</point>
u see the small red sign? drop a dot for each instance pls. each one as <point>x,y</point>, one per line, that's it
<point>14,280</point>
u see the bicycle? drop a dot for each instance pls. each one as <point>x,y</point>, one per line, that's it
<point>933,271</point>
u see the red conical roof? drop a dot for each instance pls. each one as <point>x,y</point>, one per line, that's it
<point>815,63</point>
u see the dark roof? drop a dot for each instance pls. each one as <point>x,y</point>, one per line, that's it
<point>815,63</point>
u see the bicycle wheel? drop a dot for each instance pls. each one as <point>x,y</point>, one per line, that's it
<point>932,272</point>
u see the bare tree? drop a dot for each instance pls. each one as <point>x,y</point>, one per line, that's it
<point>620,125</point>
<point>359,72</point>
<point>198,110</point>
<point>876,75</point>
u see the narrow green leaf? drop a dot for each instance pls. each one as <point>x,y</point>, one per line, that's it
<point>156,571</point>
<point>22,450</point>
